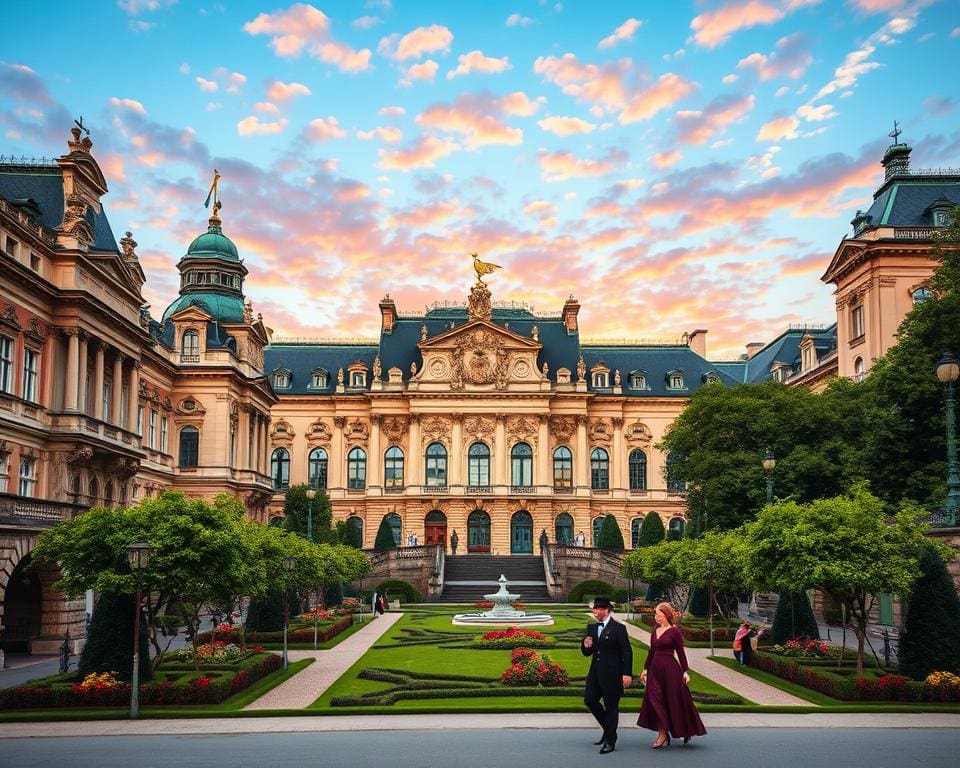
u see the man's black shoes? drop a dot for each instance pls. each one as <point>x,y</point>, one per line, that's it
<point>599,742</point>
<point>607,748</point>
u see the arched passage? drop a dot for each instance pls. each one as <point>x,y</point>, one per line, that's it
<point>435,528</point>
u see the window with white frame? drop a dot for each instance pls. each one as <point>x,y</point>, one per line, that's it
<point>164,433</point>
<point>858,369</point>
<point>190,344</point>
<point>31,364</point>
<point>675,380</point>
<point>281,380</point>
<point>856,321</point>
<point>318,380</point>
<point>107,387</point>
<point>28,476</point>
<point>152,434</point>
<point>600,379</point>
<point>124,405</point>
<point>4,471</point>
<point>11,247</point>
<point>358,378</point>
<point>638,381</point>
<point>6,364</point>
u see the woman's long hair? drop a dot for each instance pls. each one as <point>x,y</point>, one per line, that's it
<point>668,613</point>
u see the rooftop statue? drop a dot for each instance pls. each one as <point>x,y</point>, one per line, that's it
<point>483,267</point>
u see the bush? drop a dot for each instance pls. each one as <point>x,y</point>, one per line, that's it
<point>529,668</point>
<point>266,614</point>
<point>514,637</point>
<point>700,602</point>
<point>610,536</point>
<point>926,643</point>
<point>794,618</point>
<point>301,634</point>
<point>592,587</point>
<point>384,539</point>
<point>398,587</point>
<point>110,640</point>
<point>651,530</point>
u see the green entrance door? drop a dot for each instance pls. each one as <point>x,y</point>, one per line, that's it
<point>521,534</point>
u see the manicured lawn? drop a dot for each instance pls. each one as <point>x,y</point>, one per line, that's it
<point>426,645</point>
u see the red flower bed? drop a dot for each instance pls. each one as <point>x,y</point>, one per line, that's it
<point>529,668</point>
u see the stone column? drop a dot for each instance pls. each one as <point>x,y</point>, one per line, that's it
<point>133,396</point>
<point>266,443</point>
<point>456,451</point>
<point>581,459</point>
<point>617,458</point>
<point>82,374</point>
<point>338,459</point>
<point>98,351</point>
<point>243,438</point>
<point>414,453</point>
<point>116,390</point>
<point>375,460</point>
<point>501,467</point>
<point>543,478</point>
<point>71,389</point>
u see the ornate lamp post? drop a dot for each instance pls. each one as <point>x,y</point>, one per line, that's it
<point>138,556</point>
<point>948,371</point>
<point>768,463</point>
<point>288,564</point>
<point>709,563</point>
<point>311,495</point>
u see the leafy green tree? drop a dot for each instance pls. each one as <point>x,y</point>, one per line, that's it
<point>610,536</point>
<point>930,641</point>
<point>110,639</point>
<point>651,531</point>
<point>659,565</point>
<point>844,546</point>
<point>794,618</point>
<point>384,538</point>
<point>296,512</point>
<point>348,535</point>
<point>265,614</point>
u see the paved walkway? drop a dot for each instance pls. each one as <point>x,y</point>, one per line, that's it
<point>309,684</point>
<point>742,685</point>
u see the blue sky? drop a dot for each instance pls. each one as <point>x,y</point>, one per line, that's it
<point>673,165</point>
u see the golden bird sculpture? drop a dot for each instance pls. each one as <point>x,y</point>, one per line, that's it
<point>483,267</point>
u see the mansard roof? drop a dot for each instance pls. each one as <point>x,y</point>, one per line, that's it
<point>302,358</point>
<point>36,186</point>
<point>784,349</point>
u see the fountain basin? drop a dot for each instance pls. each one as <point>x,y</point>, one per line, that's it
<point>503,612</point>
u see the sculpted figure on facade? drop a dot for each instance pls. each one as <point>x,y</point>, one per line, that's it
<point>522,428</point>
<point>581,368</point>
<point>479,427</point>
<point>616,378</point>
<point>638,432</point>
<point>377,369</point>
<point>600,431</point>
<point>435,428</point>
<point>562,428</point>
<point>546,369</point>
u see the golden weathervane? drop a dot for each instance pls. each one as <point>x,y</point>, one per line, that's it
<point>483,267</point>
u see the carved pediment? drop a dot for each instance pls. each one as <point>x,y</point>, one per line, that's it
<point>600,431</point>
<point>638,432</point>
<point>190,314</point>
<point>479,427</point>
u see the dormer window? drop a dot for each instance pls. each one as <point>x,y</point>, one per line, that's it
<point>601,379</point>
<point>190,343</point>
<point>318,379</point>
<point>638,380</point>
<point>711,378</point>
<point>358,378</point>
<point>282,378</point>
<point>675,380</point>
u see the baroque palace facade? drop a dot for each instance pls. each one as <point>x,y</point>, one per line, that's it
<point>483,418</point>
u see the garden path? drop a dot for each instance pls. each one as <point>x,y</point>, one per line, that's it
<point>308,685</point>
<point>754,690</point>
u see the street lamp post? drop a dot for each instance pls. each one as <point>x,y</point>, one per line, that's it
<point>768,463</point>
<point>311,495</point>
<point>287,567</point>
<point>138,556</point>
<point>709,563</point>
<point>948,371</point>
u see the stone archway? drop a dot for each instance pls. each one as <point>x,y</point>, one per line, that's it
<point>22,608</point>
<point>435,528</point>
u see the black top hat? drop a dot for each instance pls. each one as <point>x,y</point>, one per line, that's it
<point>602,601</point>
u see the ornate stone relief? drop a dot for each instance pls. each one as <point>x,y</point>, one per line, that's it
<point>562,428</point>
<point>479,427</point>
<point>435,428</point>
<point>282,431</point>
<point>441,505</point>
<point>188,406</point>
<point>638,432</point>
<point>75,219</point>
<point>318,432</point>
<point>600,431</point>
<point>8,317</point>
<point>522,428</point>
<point>124,468</point>
<point>394,427</point>
<point>357,431</point>
<point>480,358</point>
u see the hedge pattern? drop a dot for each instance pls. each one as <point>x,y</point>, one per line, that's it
<point>325,631</point>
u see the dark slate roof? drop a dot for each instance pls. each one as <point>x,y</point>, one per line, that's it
<point>906,201</point>
<point>656,362</point>
<point>227,308</point>
<point>43,185</point>
<point>302,359</point>
<point>783,349</point>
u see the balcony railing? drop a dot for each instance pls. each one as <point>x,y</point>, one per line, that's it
<point>35,512</point>
<point>523,489</point>
<point>189,358</point>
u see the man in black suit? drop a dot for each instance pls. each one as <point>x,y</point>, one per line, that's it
<point>611,670</point>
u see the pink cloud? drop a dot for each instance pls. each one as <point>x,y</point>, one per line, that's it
<point>392,111</point>
<point>663,160</point>
<point>207,85</point>
<point>324,129</point>
<point>431,213</point>
<point>667,91</point>
<point>625,31</point>
<point>698,127</point>
<point>790,58</point>
<point>130,104</point>
<point>778,129</point>
<point>516,20</point>
<point>563,165</point>
<point>715,27</point>
<point>266,107</point>
<point>426,70</point>
<point>342,56</point>
<point>280,91</point>
<point>291,30</point>
<point>519,104</point>
<point>565,126</point>
<point>586,82</point>
<point>251,126</point>
<point>478,117</point>
<point>423,153</point>
<point>366,22</point>
<point>388,135</point>
<point>475,61</point>
<point>414,44</point>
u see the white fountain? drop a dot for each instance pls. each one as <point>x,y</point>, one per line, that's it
<point>503,612</point>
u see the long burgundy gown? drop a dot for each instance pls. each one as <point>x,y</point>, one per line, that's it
<point>667,702</point>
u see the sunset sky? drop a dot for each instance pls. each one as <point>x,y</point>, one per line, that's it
<point>674,165</point>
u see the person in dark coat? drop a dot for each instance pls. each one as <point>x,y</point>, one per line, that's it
<point>667,704</point>
<point>611,670</point>
<point>454,541</point>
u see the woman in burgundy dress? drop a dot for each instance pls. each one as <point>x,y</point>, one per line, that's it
<point>667,705</point>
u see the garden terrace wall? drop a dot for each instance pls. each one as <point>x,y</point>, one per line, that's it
<point>413,564</point>
<point>571,565</point>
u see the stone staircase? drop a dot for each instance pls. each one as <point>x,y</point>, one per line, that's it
<point>467,578</point>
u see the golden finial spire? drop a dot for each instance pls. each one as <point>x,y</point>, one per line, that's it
<point>214,194</point>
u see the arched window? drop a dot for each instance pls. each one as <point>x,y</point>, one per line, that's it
<point>190,343</point>
<point>108,493</point>
<point>357,471</point>
<point>921,295</point>
<point>356,524</point>
<point>393,468</point>
<point>280,469</point>
<point>635,532</point>
<point>317,468</point>
<point>599,470</point>
<point>396,524</point>
<point>521,533</point>
<point>521,466</point>
<point>563,470</point>
<point>675,529</point>
<point>436,466</point>
<point>28,475</point>
<point>478,531</point>
<point>478,465</point>
<point>94,492</point>
<point>858,372</point>
<point>675,483</point>
<point>597,525</point>
<point>564,528</point>
<point>189,447</point>
<point>638,470</point>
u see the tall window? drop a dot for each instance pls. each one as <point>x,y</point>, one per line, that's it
<point>106,400</point>
<point>317,468</point>
<point>564,528</point>
<point>280,469</point>
<point>6,364</point>
<point>189,447</point>
<point>436,466</point>
<point>563,468</point>
<point>638,470</point>
<point>358,378</point>
<point>393,468</point>
<point>635,525</point>
<point>152,434</point>
<point>599,470</point>
<point>478,465</point>
<point>675,483</point>
<point>396,525</point>
<point>675,529</point>
<point>164,429</point>
<point>357,469</point>
<point>858,370</point>
<point>31,362</point>
<point>521,466</point>
<point>597,525</point>
<point>856,321</point>
<point>28,476</point>
<point>140,420</point>
<point>190,344</point>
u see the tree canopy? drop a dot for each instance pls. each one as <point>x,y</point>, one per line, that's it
<point>610,536</point>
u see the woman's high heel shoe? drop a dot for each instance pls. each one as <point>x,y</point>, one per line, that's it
<point>665,742</point>
<point>686,740</point>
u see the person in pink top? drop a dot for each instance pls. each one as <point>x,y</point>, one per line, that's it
<point>667,704</point>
